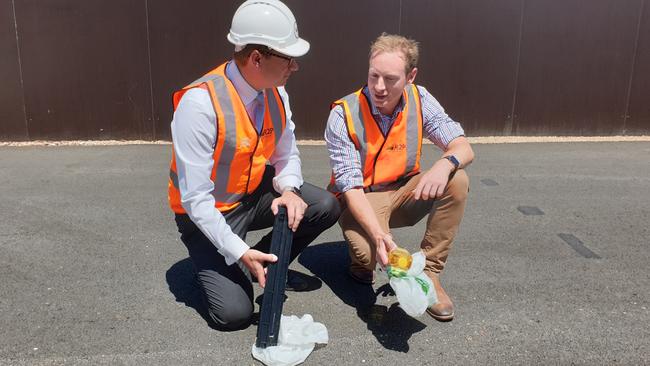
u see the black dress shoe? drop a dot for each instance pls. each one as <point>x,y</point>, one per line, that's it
<point>296,282</point>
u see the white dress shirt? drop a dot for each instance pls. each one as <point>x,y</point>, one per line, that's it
<point>194,134</point>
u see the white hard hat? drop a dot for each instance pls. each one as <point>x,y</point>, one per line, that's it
<point>269,23</point>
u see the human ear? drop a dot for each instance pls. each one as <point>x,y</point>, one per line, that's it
<point>411,75</point>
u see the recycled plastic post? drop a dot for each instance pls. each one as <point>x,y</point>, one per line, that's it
<point>269,324</point>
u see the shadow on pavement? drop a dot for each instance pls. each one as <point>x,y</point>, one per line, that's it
<point>390,325</point>
<point>181,280</point>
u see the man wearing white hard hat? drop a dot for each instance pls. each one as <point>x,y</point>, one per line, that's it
<point>235,161</point>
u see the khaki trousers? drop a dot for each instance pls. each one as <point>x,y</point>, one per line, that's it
<point>396,207</point>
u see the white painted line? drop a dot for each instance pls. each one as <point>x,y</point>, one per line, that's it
<point>473,140</point>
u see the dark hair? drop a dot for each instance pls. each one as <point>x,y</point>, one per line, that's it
<point>242,55</point>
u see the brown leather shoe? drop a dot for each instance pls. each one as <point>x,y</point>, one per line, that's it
<point>362,275</point>
<point>443,310</point>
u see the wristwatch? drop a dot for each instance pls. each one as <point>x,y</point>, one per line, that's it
<point>453,160</point>
<point>294,190</point>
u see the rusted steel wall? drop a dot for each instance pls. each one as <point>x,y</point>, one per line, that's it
<point>84,69</point>
<point>575,66</point>
<point>638,113</point>
<point>12,116</point>
<point>469,58</point>
<point>106,69</point>
<point>187,39</point>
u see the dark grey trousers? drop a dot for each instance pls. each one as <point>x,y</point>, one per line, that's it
<point>227,290</point>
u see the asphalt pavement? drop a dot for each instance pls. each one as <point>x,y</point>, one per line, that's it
<point>551,265</point>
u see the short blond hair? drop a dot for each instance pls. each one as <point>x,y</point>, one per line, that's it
<point>392,43</point>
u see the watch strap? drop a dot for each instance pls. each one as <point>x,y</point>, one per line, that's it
<point>453,160</point>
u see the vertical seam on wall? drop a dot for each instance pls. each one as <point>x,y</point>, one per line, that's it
<point>153,117</point>
<point>399,23</point>
<point>20,69</point>
<point>511,121</point>
<point>632,67</point>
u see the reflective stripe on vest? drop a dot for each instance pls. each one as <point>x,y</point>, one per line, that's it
<point>241,152</point>
<point>384,159</point>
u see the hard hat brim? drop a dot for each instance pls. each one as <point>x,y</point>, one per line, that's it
<point>297,49</point>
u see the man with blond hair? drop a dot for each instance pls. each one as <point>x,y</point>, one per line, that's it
<point>374,137</point>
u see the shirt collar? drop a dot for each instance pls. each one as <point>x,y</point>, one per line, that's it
<point>375,111</point>
<point>246,92</point>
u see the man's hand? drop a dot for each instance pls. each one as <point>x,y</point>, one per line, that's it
<point>385,244</point>
<point>254,260</point>
<point>295,208</point>
<point>433,182</point>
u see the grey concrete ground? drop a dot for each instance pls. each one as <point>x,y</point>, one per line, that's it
<point>93,273</point>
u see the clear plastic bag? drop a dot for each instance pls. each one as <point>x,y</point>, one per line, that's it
<point>414,289</point>
<point>296,341</point>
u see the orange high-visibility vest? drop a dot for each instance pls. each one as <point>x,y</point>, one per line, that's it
<point>240,153</point>
<point>384,159</point>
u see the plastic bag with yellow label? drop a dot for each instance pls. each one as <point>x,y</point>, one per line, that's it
<point>413,288</point>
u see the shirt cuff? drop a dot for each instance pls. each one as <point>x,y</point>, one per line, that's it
<point>234,248</point>
<point>282,183</point>
<point>350,184</point>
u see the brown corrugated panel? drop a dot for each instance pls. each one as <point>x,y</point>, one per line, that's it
<point>12,117</point>
<point>187,40</point>
<point>340,33</point>
<point>86,64</point>
<point>85,68</point>
<point>575,66</point>
<point>335,65</point>
<point>639,111</point>
<point>468,56</point>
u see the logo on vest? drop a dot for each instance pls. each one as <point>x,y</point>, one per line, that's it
<point>396,147</point>
<point>266,131</point>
